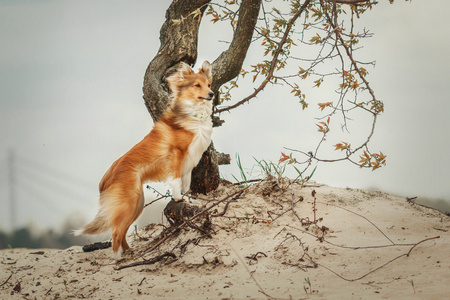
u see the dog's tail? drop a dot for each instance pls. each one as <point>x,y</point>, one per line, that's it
<point>97,226</point>
<point>101,222</point>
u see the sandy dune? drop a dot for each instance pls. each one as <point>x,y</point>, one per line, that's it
<point>369,245</point>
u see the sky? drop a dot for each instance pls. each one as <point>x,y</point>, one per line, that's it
<point>71,75</point>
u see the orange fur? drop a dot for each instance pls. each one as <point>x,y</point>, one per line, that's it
<point>168,153</point>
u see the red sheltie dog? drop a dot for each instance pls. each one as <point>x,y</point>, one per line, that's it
<point>168,153</point>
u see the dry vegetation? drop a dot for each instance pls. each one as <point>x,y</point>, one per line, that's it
<point>272,239</point>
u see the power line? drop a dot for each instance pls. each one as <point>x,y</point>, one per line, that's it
<point>51,186</point>
<point>39,177</point>
<point>37,197</point>
<point>4,177</point>
<point>43,199</point>
<point>12,191</point>
<point>3,171</point>
<point>54,173</point>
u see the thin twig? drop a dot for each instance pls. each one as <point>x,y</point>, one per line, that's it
<point>270,73</point>
<point>376,269</point>
<point>261,290</point>
<point>6,280</point>
<point>432,238</point>
<point>223,212</point>
<point>332,20</point>
<point>140,283</point>
<point>288,210</point>
<point>147,261</point>
<point>157,199</point>
<point>361,217</point>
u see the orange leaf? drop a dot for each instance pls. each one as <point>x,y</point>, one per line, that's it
<point>323,105</point>
<point>284,157</point>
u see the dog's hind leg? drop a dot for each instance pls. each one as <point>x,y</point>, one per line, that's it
<point>139,210</point>
<point>140,207</point>
<point>124,216</point>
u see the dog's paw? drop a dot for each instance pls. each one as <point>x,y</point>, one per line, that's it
<point>194,201</point>
<point>178,200</point>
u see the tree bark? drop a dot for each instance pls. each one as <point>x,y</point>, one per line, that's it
<point>179,43</point>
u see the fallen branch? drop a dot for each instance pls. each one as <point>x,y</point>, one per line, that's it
<point>96,246</point>
<point>347,247</point>
<point>361,217</point>
<point>376,269</point>
<point>354,248</point>
<point>148,261</point>
<point>255,256</point>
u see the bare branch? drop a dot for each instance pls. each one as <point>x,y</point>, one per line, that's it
<point>228,65</point>
<point>273,62</point>
<point>331,15</point>
<point>353,2</point>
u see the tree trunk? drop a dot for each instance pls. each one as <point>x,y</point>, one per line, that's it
<point>179,43</point>
<point>205,176</point>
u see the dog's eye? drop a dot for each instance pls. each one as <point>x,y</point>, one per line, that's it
<point>197,85</point>
<point>209,85</point>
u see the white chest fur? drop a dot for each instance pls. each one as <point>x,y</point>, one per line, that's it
<point>200,124</point>
<point>202,129</point>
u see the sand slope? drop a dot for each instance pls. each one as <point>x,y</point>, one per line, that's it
<point>260,250</point>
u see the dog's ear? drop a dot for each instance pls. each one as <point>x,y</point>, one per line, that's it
<point>177,74</point>
<point>207,70</point>
<point>184,70</point>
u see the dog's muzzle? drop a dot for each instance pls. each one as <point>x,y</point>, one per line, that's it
<point>209,98</point>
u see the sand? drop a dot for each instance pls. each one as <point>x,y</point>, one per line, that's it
<point>368,245</point>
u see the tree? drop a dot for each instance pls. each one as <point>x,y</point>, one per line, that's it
<point>324,25</point>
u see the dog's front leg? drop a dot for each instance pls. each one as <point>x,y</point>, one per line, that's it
<point>186,182</point>
<point>175,186</point>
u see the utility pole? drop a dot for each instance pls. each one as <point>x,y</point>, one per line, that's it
<point>12,190</point>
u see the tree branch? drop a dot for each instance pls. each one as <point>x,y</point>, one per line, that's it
<point>273,62</point>
<point>348,51</point>
<point>229,63</point>
<point>353,2</point>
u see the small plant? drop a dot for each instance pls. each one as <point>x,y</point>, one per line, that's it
<point>270,169</point>
<point>313,193</point>
<point>244,181</point>
<point>307,287</point>
<point>412,283</point>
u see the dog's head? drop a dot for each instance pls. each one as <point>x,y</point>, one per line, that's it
<point>185,84</point>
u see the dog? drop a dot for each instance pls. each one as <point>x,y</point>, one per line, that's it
<point>168,153</point>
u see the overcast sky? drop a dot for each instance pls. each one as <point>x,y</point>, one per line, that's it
<point>71,102</point>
